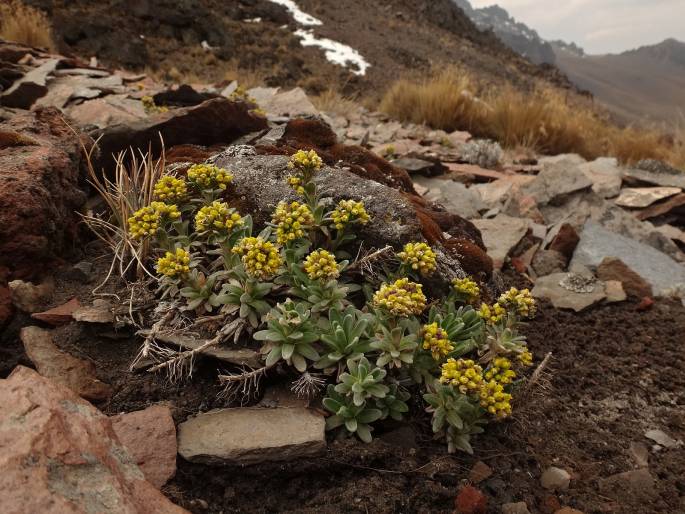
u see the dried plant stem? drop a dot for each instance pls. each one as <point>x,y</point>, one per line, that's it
<point>367,259</point>
<point>244,384</point>
<point>158,327</point>
<point>188,354</point>
<point>537,374</point>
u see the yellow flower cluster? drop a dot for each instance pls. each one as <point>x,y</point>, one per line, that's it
<point>419,256</point>
<point>217,216</point>
<point>463,374</point>
<point>525,358</point>
<point>174,264</point>
<point>241,95</point>
<point>435,339</point>
<point>492,314</point>
<point>171,189</point>
<point>147,220</point>
<point>495,400</point>
<point>209,176</point>
<point>349,211</point>
<point>151,107</point>
<point>467,288</point>
<point>500,371</point>
<point>296,183</point>
<point>291,221</point>
<point>260,258</point>
<point>321,264</point>
<point>520,302</point>
<point>401,298</point>
<point>308,162</point>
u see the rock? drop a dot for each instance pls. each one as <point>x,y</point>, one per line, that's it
<point>60,455</point>
<point>660,271</point>
<point>99,312</point>
<point>645,304</point>
<point>6,306</point>
<point>640,454</point>
<point>60,315</point>
<point>661,438</point>
<point>66,89</point>
<point>605,175</point>
<point>547,262</point>
<point>672,232</point>
<point>569,291</point>
<point>495,193</point>
<point>555,479</point>
<point>472,170</point>
<point>568,510</point>
<point>500,235</point>
<point>212,122</point>
<point>614,291</point>
<point>80,272</point>
<point>291,103</point>
<point>412,165</point>
<point>110,110</point>
<point>633,284</point>
<point>660,209</point>
<point>471,501</point>
<point>638,484</point>
<point>658,173</point>
<point>61,367</point>
<point>29,297</point>
<point>455,197</point>
<point>515,508</point>
<point>555,181</point>
<point>251,435</point>
<point>149,436</point>
<point>640,197</point>
<point>39,193</point>
<point>25,91</point>
<point>479,472</point>
<point>565,241</point>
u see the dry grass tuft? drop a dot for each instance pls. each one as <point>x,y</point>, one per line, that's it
<point>26,25</point>
<point>331,101</point>
<point>545,120</point>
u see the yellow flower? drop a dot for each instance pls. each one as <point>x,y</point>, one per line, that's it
<point>291,221</point>
<point>519,302</point>
<point>491,314</point>
<point>435,339</point>
<point>463,374</point>
<point>261,259</point>
<point>296,183</point>
<point>218,217</point>
<point>321,264</point>
<point>401,298</point>
<point>145,221</point>
<point>151,107</point>
<point>307,162</point>
<point>174,264</point>
<point>495,400</point>
<point>171,189</point>
<point>208,176</point>
<point>467,289</point>
<point>525,358</point>
<point>419,256</point>
<point>349,211</point>
<point>500,371</point>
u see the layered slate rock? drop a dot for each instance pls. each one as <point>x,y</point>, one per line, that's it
<point>251,435</point>
<point>60,455</point>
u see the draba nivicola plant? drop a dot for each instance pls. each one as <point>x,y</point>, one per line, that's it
<point>363,340</point>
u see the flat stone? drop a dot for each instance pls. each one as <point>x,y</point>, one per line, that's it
<point>99,312</point>
<point>559,288</point>
<point>149,435</point>
<point>661,438</point>
<point>414,165</point>
<point>30,297</point>
<point>640,454</point>
<point>662,208</point>
<point>605,174</point>
<point>60,455</point>
<point>660,271</point>
<point>454,196</point>
<point>613,269</point>
<point>479,472</point>
<point>496,192</point>
<point>291,103</point>
<point>475,171</point>
<point>65,369</point>
<point>555,479</point>
<point>251,435</point>
<point>60,315</point>
<point>110,110</point>
<point>639,197</point>
<point>668,177</point>
<point>556,181</point>
<point>233,355</point>
<point>614,291</point>
<point>500,235</point>
<point>638,484</point>
<point>515,508</point>
<point>25,91</point>
<point>568,510</point>
<point>547,262</point>
<point>672,232</point>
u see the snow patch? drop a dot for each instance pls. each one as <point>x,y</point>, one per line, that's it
<point>335,52</point>
<point>300,16</point>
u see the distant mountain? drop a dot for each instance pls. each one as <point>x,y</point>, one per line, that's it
<point>517,36</point>
<point>648,82</point>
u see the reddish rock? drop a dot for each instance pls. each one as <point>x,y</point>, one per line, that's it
<point>568,510</point>
<point>39,193</point>
<point>479,472</point>
<point>60,315</point>
<point>634,285</point>
<point>150,437</point>
<point>550,504</point>
<point>30,297</point>
<point>645,304</point>
<point>61,455</point>
<point>471,501</point>
<point>65,369</point>
<point>565,241</point>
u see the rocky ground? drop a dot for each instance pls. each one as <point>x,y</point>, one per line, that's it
<point>601,246</point>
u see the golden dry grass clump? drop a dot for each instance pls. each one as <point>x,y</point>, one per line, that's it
<point>546,120</point>
<point>26,25</point>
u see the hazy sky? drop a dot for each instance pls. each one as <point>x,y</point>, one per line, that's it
<point>600,26</point>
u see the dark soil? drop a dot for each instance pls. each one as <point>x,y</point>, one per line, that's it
<point>614,373</point>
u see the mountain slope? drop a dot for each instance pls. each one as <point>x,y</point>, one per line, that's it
<point>645,83</point>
